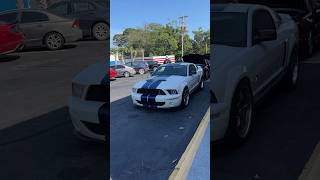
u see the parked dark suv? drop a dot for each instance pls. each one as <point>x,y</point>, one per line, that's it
<point>153,65</point>
<point>200,60</point>
<point>92,15</point>
<point>141,67</point>
<point>304,12</point>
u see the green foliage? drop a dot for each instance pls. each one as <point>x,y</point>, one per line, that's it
<point>158,40</point>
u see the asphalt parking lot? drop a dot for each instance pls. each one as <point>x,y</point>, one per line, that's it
<point>36,134</point>
<point>284,135</point>
<point>148,143</point>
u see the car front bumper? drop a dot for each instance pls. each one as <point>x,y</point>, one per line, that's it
<point>219,117</point>
<point>85,118</point>
<point>160,101</point>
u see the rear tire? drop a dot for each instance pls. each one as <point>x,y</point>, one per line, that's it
<point>310,45</point>
<point>126,74</point>
<point>240,114</point>
<point>54,41</point>
<point>201,85</point>
<point>292,75</point>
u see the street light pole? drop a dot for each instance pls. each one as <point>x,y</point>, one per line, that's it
<point>183,31</point>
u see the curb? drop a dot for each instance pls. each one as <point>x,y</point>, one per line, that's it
<point>181,170</point>
<point>311,170</point>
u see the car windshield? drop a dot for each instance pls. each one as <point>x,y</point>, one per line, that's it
<point>229,28</point>
<point>178,70</point>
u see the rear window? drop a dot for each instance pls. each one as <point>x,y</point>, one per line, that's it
<point>9,17</point>
<point>29,17</point>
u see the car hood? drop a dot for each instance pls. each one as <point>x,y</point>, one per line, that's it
<point>93,74</point>
<point>162,82</point>
<point>222,54</point>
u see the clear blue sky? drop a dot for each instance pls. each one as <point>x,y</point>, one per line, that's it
<point>136,13</point>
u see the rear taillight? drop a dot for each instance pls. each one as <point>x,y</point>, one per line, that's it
<point>76,24</point>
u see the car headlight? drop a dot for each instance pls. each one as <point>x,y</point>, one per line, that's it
<point>77,90</point>
<point>172,91</point>
<point>134,90</point>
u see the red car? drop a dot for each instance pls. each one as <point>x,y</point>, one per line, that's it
<point>11,38</point>
<point>113,73</point>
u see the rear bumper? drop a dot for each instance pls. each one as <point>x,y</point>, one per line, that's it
<point>73,36</point>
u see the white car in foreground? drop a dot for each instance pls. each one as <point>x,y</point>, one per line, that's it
<point>253,49</point>
<point>89,103</point>
<point>170,86</point>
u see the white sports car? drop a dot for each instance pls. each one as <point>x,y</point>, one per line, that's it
<point>89,103</point>
<point>253,49</point>
<point>170,86</point>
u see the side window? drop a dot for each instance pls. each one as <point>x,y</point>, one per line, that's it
<point>121,66</point>
<point>30,17</point>
<point>262,20</point>
<point>9,17</point>
<point>59,8</point>
<point>80,7</point>
<point>192,70</point>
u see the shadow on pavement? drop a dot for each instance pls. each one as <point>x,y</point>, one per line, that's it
<point>46,148</point>
<point>8,58</point>
<point>147,143</point>
<point>41,49</point>
<point>285,132</point>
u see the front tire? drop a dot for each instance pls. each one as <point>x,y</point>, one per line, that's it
<point>100,31</point>
<point>240,114</point>
<point>141,71</point>
<point>185,98</point>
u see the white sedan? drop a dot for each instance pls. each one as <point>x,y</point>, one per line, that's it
<point>89,103</point>
<point>253,49</point>
<point>170,86</point>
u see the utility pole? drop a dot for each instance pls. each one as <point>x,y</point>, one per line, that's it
<point>183,31</point>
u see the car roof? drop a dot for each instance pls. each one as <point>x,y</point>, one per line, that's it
<point>234,7</point>
<point>177,64</point>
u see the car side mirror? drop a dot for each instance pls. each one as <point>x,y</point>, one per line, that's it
<point>262,35</point>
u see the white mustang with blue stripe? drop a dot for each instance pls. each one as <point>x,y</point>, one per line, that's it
<point>89,103</point>
<point>170,86</point>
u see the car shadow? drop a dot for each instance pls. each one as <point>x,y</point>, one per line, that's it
<point>43,49</point>
<point>45,147</point>
<point>8,58</point>
<point>284,134</point>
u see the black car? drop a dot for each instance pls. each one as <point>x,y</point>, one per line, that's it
<point>141,67</point>
<point>200,60</point>
<point>153,65</point>
<point>304,13</point>
<point>92,16</point>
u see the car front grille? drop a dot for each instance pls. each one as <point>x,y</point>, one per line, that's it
<point>153,92</point>
<point>151,103</point>
<point>98,93</point>
<point>95,128</point>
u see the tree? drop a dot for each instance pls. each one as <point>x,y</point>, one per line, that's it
<point>157,39</point>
